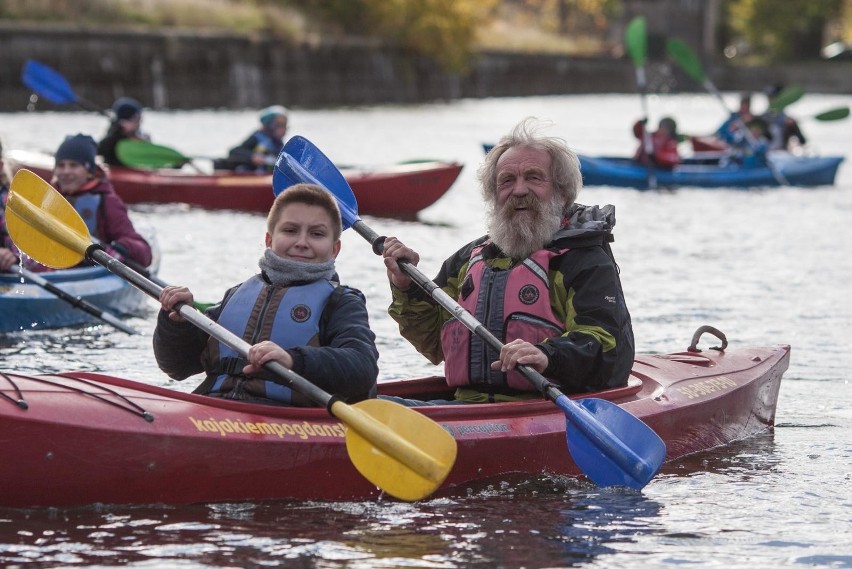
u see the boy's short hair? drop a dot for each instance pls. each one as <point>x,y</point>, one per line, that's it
<point>308,194</point>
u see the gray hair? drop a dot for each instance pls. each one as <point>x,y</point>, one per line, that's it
<point>564,164</point>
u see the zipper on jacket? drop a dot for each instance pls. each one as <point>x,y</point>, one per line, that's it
<point>535,320</point>
<point>486,367</point>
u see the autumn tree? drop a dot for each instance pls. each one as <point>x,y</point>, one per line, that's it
<point>782,31</point>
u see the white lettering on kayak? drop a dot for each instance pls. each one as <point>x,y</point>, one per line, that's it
<point>706,387</point>
<point>303,430</point>
<point>486,428</point>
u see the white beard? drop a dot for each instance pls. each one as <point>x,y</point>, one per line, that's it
<point>519,236</point>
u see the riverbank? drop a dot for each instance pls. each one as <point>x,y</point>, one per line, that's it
<point>190,70</point>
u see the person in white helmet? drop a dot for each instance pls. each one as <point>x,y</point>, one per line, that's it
<point>259,151</point>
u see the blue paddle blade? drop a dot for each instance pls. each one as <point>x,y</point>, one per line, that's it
<point>610,445</point>
<point>302,162</point>
<point>47,83</point>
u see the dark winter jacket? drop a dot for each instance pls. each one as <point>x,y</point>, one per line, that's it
<point>596,351</point>
<point>344,363</point>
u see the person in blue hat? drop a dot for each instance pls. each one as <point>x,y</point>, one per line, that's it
<point>8,252</point>
<point>77,176</point>
<point>127,119</point>
<point>259,151</point>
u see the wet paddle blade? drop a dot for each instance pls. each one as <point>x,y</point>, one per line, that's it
<point>143,154</point>
<point>302,162</point>
<point>409,466</point>
<point>611,446</point>
<point>787,97</point>
<point>43,224</point>
<point>47,83</point>
<point>685,58</point>
<point>636,40</point>
<point>833,115</point>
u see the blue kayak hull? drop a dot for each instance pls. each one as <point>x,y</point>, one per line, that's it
<point>788,170</point>
<point>25,305</point>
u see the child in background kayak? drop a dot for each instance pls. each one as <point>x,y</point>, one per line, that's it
<point>294,312</point>
<point>126,124</point>
<point>259,151</point>
<point>8,256</point>
<point>85,185</point>
<point>664,144</point>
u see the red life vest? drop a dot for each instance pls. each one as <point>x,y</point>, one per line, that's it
<point>512,304</point>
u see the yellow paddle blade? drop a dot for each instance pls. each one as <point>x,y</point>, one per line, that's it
<point>400,450</point>
<point>43,224</point>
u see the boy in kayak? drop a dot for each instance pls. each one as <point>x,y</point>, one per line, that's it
<point>294,312</point>
<point>85,185</point>
<point>259,151</point>
<point>127,113</point>
<point>543,281</point>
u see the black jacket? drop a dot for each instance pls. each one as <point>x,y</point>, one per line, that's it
<point>344,364</point>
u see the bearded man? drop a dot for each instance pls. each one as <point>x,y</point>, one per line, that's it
<point>543,281</point>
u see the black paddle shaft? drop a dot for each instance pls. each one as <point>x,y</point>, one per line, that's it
<point>77,302</point>
<point>541,383</point>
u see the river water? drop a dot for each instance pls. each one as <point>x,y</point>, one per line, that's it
<point>766,267</point>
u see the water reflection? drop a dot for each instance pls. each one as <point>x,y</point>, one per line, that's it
<point>737,461</point>
<point>53,351</point>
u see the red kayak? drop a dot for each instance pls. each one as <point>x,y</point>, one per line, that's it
<point>399,190</point>
<point>81,438</point>
<point>707,144</point>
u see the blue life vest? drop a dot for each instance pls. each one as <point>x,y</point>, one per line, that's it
<point>265,143</point>
<point>257,311</point>
<point>87,205</point>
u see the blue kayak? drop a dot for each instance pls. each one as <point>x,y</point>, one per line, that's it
<point>26,305</point>
<point>787,170</point>
<point>710,170</point>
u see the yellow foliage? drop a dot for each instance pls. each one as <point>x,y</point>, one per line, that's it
<point>442,29</point>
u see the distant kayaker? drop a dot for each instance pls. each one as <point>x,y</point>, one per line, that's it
<point>259,151</point>
<point>751,150</point>
<point>126,124</point>
<point>783,129</point>
<point>294,311</point>
<point>84,184</point>
<point>543,281</point>
<point>732,130</point>
<point>664,143</point>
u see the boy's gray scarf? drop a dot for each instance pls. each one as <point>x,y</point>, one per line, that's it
<point>284,272</point>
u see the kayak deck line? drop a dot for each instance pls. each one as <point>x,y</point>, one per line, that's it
<point>101,393</point>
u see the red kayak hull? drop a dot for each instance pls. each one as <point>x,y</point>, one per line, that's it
<point>82,438</point>
<point>399,190</point>
<point>707,144</point>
